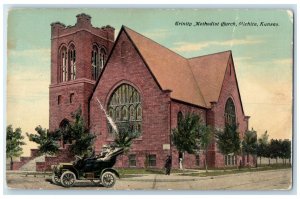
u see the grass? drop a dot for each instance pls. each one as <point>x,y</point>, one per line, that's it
<point>217,172</point>
<point>130,172</point>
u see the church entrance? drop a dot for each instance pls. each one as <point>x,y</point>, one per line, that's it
<point>64,128</point>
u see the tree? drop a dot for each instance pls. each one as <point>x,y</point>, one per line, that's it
<point>125,135</point>
<point>206,138</point>
<point>186,136</point>
<point>228,140</point>
<point>286,150</point>
<point>79,135</point>
<point>47,141</point>
<point>262,146</point>
<point>14,143</point>
<point>249,143</point>
<point>275,149</point>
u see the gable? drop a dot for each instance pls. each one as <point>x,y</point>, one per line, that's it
<point>171,70</point>
<point>209,71</point>
<point>196,81</point>
<point>230,84</point>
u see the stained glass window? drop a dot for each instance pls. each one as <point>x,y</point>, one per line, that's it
<point>125,106</point>
<point>98,61</point>
<point>72,62</point>
<point>67,64</point>
<point>63,65</point>
<point>229,115</point>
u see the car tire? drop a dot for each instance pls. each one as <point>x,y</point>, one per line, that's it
<point>108,179</point>
<point>55,179</point>
<point>68,179</point>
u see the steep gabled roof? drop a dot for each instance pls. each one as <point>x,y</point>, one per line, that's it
<point>210,71</point>
<point>196,81</point>
<point>171,70</point>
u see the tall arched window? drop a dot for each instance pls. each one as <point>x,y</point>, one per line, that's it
<point>98,61</point>
<point>125,108</point>
<point>95,62</point>
<point>230,117</point>
<point>67,70</point>
<point>63,64</point>
<point>72,62</point>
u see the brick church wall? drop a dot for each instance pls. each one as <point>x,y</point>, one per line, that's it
<point>131,69</point>
<point>83,36</point>
<point>216,115</point>
<point>189,159</point>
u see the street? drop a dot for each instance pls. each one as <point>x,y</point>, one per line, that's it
<point>262,180</point>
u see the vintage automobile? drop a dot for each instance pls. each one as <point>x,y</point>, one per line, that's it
<point>97,169</point>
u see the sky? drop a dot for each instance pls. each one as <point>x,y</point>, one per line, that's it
<point>262,55</point>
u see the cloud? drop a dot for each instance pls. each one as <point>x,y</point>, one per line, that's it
<point>157,34</point>
<point>190,47</point>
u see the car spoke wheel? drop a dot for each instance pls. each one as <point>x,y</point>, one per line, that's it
<point>108,179</point>
<point>67,179</point>
<point>55,179</point>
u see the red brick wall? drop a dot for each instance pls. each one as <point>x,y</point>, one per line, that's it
<point>23,160</point>
<point>83,36</point>
<point>216,115</point>
<point>63,156</point>
<point>155,103</point>
<point>189,159</point>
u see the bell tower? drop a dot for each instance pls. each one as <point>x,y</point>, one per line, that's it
<point>78,54</point>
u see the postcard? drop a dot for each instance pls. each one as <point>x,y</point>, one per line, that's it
<point>149,99</point>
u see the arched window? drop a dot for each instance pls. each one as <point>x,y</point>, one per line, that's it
<point>95,62</point>
<point>98,61</point>
<point>179,117</point>
<point>72,62</point>
<point>230,117</point>
<point>125,107</point>
<point>63,64</point>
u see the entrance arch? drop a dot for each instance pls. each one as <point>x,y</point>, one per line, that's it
<point>64,130</point>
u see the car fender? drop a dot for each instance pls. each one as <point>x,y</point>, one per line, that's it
<point>111,170</point>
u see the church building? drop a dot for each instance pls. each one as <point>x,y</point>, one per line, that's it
<point>136,79</point>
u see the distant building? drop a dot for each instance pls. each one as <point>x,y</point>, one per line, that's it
<point>140,80</point>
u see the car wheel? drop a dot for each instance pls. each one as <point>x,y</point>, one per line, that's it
<point>55,179</point>
<point>68,179</point>
<point>108,179</point>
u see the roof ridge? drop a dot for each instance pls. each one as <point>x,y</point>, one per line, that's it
<point>156,42</point>
<point>210,54</point>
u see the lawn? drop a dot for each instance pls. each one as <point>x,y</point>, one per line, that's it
<point>217,172</point>
<point>132,172</point>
